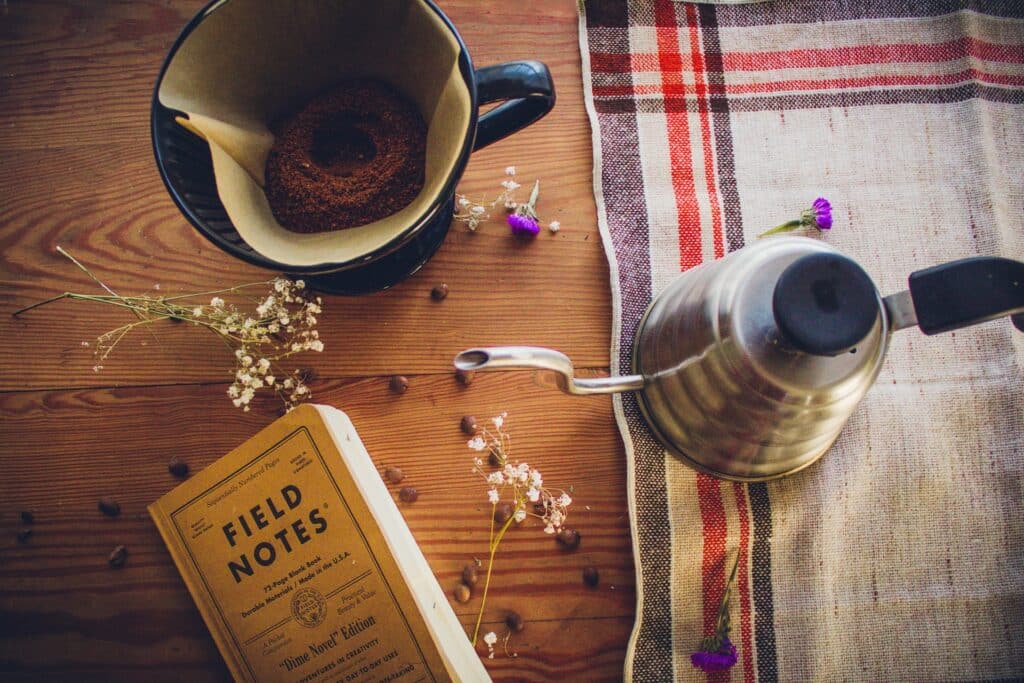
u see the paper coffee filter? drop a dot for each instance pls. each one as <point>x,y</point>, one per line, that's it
<point>249,61</point>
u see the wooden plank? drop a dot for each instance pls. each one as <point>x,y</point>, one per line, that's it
<point>75,84</point>
<point>118,442</point>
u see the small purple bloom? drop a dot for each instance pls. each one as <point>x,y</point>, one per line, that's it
<point>822,214</point>
<point>523,226</point>
<point>720,660</point>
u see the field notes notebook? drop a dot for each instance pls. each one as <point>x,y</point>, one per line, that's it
<point>303,567</point>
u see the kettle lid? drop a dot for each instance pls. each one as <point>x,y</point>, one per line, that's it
<point>824,304</point>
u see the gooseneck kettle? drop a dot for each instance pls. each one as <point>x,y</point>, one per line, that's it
<point>748,367</point>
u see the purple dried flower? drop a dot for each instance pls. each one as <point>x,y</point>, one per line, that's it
<point>720,660</point>
<point>717,653</point>
<point>818,216</point>
<point>523,226</point>
<point>822,212</point>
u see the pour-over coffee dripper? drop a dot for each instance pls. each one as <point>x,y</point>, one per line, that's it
<point>240,63</point>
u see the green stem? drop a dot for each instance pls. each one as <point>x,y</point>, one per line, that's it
<point>85,270</point>
<point>785,227</point>
<point>215,291</point>
<point>490,565</point>
<point>65,295</point>
<point>722,622</point>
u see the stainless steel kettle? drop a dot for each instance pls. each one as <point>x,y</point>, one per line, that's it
<point>748,367</point>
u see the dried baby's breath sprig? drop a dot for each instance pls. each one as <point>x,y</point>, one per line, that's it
<point>522,485</point>
<point>283,325</point>
<point>474,213</point>
<point>490,638</point>
<point>522,216</point>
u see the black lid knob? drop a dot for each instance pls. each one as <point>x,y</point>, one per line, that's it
<point>824,304</point>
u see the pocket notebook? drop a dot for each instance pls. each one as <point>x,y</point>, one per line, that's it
<point>304,569</point>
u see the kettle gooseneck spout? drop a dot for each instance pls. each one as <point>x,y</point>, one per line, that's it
<point>537,358</point>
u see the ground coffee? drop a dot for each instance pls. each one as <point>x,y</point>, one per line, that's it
<point>350,156</point>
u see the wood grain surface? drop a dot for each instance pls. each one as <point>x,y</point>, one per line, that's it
<point>76,80</point>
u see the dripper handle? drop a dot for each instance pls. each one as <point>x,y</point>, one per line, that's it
<point>528,91</point>
<point>967,292</point>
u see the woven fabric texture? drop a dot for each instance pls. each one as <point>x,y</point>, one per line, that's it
<point>899,556</point>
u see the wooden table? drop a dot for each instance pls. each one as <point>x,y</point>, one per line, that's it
<point>78,171</point>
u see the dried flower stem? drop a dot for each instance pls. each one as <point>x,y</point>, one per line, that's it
<point>283,326</point>
<point>713,642</point>
<point>527,488</point>
<point>490,565</point>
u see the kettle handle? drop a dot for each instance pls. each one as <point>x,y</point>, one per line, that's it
<point>967,292</point>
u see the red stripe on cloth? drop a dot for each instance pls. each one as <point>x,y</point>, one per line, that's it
<point>677,127</point>
<point>743,582</point>
<point>830,57</point>
<point>873,54</point>
<point>712,515</point>
<point>875,81</point>
<point>700,85</point>
<point>806,85</point>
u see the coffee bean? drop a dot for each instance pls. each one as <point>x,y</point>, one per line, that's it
<point>439,293</point>
<point>109,507</point>
<point>306,375</point>
<point>468,425</point>
<point>409,494</point>
<point>590,576</point>
<point>178,467</point>
<point>496,459</point>
<point>27,517</point>
<point>470,575</point>
<point>394,475</point>
<point>464,377</point>
<point>399,384</point>
<point>570,538</point>
<point>514,622</point>
<point>24,535</point>
<point>117,557</point>
<point>462,593</point>
<point>503,512</point>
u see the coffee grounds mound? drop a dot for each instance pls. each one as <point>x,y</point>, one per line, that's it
<point>349,157</point>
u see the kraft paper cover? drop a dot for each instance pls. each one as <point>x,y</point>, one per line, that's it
<point>303,567</point>
<point>248,62</point>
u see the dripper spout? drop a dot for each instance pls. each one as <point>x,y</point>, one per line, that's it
<point>537,358</point>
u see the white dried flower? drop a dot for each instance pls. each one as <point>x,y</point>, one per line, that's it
<point>554,226</point>
<point>510,170</point>
<point>524,484</point>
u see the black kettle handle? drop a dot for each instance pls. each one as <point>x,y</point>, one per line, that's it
<point>530,92</point>
<point>967,292</point>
